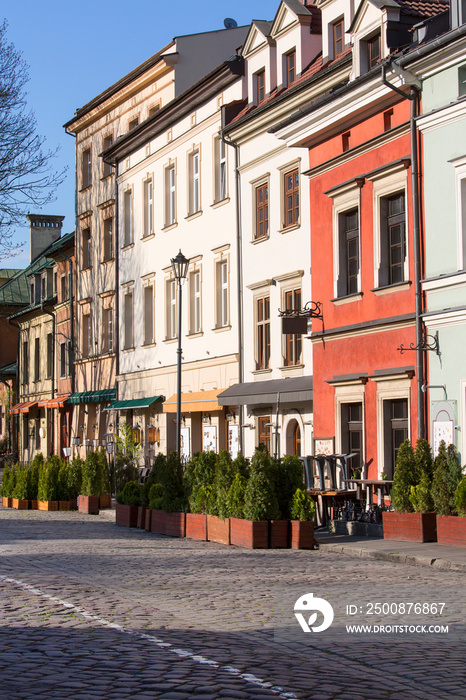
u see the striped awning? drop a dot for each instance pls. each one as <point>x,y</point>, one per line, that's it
<point>102,396</point>
<point>56,402</point>
<point>23,407</point>
<point>195,402</point>
<point>128,404</point>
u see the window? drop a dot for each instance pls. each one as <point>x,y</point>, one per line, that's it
<point>297,440</point>
<point>170,196</point>
<point>373,51</point>
<point>393,245</point>
<point>263,333</point>
<point>351,433</point>
<point>37,433</point>
<point>86,248</point>
<point>128,218</point>
<point>262,211</point>
<point>25,362</point>
<point>70,357</point>
<point>148,315</point>
<point>37,359</point>
<point>395,431</point>
<point>86,169</point>
<point>291,191</point>
<point>345,141</point>
<point>49,355</point>
<point>293,341</point>
<point>63,354</point>
<point>387,119</point>
<point>55,283</point>
<point>132,124</point>
<point>220,170</point>
<point>195,302</point>
<point>260,86</point>
<point>194,184</point>
<point>106,167</point>
<point>129,325</point>
<point>32,292</point>
<point>86,335</point>
<point>461,81</point>
<point>290,68</point>
<point>171,309</point>
<point>108,239</point>
<point>348,279</point>
<point>223,315</point>
<point>108,330</point>
<point>265,432</point>
<point>153,110</point>
<point>148,207</point>
<point>338,36</point>
<point>43,288</point>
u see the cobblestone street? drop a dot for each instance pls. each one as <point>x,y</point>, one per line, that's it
<point>92,610</point>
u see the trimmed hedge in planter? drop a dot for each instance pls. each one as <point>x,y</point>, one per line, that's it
<point>19,503</point>
<point>409,527</point>
<point>451,530</point>
<point>252,534</point>
<point>196,526</point>
<point>218,530</point>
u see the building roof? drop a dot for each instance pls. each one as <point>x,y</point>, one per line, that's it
<point>8,369</point>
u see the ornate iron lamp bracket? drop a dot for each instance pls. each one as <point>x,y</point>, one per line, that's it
<point>428,342</point>
<point>311,309</point>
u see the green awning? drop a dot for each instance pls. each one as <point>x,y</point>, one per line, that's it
<point>103,396</point>
<point>133,403</point>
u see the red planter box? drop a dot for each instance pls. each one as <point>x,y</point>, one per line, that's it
<point>278,534</point>
<point>34,505</point>
<point>218,530</point>
<point>105,501</point>
<point>451,529</point>
<point>249,534</point>
<point>172,524</point>
<point>147,520</point>
<point>6,501</point>
<point>411,527</point>
<point>196,526</point>
<point>302,534</point>
<point>141,521</point>
<point>126,516</point>
<point>88,504</point>
<point>73,504</point>
<point>19,503</point>
<point>48,505</point>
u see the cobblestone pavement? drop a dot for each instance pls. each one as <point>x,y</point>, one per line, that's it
<point>92,611</point>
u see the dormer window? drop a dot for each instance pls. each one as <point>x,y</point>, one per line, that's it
<point>338,36</point>
<point>373,51</point>
<point>43,292</point>
<point>32,291</point>
<point>290,68</point>
<point>260,86</point>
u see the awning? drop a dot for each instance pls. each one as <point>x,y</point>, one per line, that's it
<point>103,396</point>
<point>132,403</point>
<point>194,402</point>
<point>56,402</point>
<point>23,407</point>
<point>291,390</point>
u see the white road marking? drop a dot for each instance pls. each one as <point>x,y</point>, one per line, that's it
<point>166,646</point>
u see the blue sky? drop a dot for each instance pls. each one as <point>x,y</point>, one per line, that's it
<point>75,52</point>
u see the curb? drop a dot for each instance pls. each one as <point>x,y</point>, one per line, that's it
<point>443,564</point>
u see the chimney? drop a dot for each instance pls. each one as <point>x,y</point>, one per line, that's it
<point>44,230</point>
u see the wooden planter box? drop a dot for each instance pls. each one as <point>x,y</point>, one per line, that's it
<point>88,504</point>
<point>218,530</point>
<point>63,505</point>
<point>34,504</point>
<point>278,534</point>
<point>249,534</point>
<point>302,534</point>
<point>172,524</point>
<point>126,516</point>
<point>451,529</point>
<point>74,503</point>
<point>19,504</point>
<point>105,501</point>
<point>141,520</point>
<point>196,526</point>
<point>47,505</point>
<point>147,520</point>
<point>411,527</point>
<point>6,501</point>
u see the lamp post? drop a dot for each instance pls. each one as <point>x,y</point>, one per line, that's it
<point>180,272</point>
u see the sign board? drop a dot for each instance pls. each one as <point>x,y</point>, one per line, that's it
<point>323,446</point>
<point>185,443</point>
<point>294,324</point>
<point>209,438</point>
<point>443,415</point>
<point>233,440</point>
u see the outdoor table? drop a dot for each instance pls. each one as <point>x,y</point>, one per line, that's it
<point>382,485</point>
<point>324,499</point>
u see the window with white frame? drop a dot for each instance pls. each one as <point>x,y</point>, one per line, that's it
<point>262,332</point>
<point>289,68</point>
<point>170,195</point>
<point>261,194</point>
<point>194,183</point>
<point>148,188</point>
<point>352,433</point>
<point>222,293</point>
<point>460,182</point>
<point>108,330</point>
<point>220,170</point>
<point>127,218</point>
<point>259,87</point>
<point>291,198</point>
<point>396,431</point>
<point>348,252</point>
<point>63,358</point>
<point>292,341</point>
<point>195,302</point>
<point>108,239</point>
<point>171,305</point>
<point>148,314</point>
<point>128,320</point>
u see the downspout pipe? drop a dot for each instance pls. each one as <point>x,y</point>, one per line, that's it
<point>239,276</point>
<point>413,96</point>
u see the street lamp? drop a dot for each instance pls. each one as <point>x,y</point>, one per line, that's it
<point>180,272</point>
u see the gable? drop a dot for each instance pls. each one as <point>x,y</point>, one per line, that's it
<point>284,19</point>
<point>256,38</point>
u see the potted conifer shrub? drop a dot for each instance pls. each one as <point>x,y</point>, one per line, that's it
<point>8,485</point>
<point>303,512</point>
<point>75,476</point>
<point>446,482</point>
<point>20,492</point>
<point>198,480</point>
<point>33,480</point>
<point>196,518</point>
<point>228,496</point>
<point>47,493</point>
<point>91,485</point>
<point>63,492</point>
<point>127,503</point>
<point>105,497</point>
<point>288,476</point>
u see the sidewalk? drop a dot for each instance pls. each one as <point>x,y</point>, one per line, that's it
<point>425,554</point>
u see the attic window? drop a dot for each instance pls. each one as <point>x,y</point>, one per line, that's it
<point>260,86</point>
<point>462,81</point>
<point>290,67</point>
<point>338,33</point>
<point>373,51</point>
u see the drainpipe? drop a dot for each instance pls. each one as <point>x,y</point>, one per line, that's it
<point>239,264</point>
<point>414,98</point>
